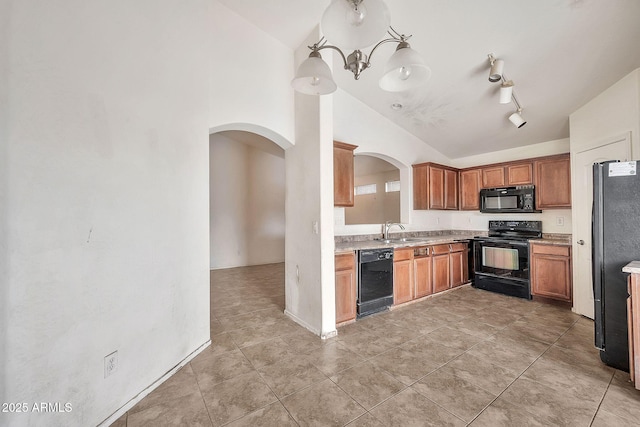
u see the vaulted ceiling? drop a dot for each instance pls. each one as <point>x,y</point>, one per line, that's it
<point>559,53</point>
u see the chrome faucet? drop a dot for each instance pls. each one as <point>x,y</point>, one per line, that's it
<point>387,227</point>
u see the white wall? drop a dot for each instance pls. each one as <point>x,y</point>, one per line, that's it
<point>309,248</point>
<point>613,113</point>
<point>104,200</point>
<point>250,79</point>
<point>246,204</point>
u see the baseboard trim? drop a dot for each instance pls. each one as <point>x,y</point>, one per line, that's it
<point>301,322</point>
<point>131,403</point>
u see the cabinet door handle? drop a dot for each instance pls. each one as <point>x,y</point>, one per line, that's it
<point>581,242</point>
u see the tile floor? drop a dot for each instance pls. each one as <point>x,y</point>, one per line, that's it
<point>468,357</point>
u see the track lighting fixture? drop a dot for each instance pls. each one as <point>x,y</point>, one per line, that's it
<point>507,94</point>
<point>357,24</point>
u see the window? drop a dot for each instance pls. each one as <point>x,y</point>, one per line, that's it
<point>365,189</point>
<point>391,186</point>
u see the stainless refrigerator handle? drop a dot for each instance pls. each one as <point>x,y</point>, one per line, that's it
<point>581,242</point>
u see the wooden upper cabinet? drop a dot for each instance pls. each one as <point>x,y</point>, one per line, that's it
<point>493,177</point>
<point>343,179</point>
<point>553,182</point>
<point>507,174</point>
<point>470,184</point>
<point>450,189</point>
<point>420,189</point>
<point>519,173</point>
<point>435,187</point>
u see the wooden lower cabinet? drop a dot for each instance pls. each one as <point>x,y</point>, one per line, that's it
<point>345,265</point>
<point>403,275</point>
<point>441,269</point>
<point>551,271</point>
<point>458,263</point>
<point>422,275</point>
<point>425,270</point>
<point>633,323</point>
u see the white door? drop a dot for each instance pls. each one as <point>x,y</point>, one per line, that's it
<point>582,185</point>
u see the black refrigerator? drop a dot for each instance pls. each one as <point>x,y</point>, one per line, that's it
<point>616,242</point>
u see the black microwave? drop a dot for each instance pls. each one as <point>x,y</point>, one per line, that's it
<point>521,198</point>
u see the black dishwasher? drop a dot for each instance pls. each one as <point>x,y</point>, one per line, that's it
<point>375,280</point>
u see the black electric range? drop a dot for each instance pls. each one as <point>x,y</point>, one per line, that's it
<point>501,259</point>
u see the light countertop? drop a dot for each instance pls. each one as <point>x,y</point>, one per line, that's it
<point>633,267</point>
<point>547,239</point>
<point>556,239</point>
<point>421,241</point>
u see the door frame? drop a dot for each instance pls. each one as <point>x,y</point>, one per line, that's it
<point>580,304</point>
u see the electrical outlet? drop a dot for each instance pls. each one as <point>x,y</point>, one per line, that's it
<point>110,363</point>
<point>560,221</point>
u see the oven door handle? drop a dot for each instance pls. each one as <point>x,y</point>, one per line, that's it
<point>523,243</point>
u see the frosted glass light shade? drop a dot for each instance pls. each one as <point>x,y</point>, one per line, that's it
<point>506,90</point>
<point>405,70</point>
<point>314,77</point>
<point>354,27</point>
<point>495,75</point>
<point>517,120</point>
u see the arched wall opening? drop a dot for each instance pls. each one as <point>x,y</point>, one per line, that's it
<point>246,196</point>
<point>406,189</point>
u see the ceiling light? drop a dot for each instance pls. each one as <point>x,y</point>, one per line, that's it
<point>403,68</point>
<point>314,76</point>
<point>506,90</point>
<point>497,65</point>
<point>517,119</point>
<point>357,24</point>
<point>507,94</point>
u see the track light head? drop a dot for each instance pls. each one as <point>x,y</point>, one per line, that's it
<point>497,66</point>
<point>506,91</point>
<point>517,119</point>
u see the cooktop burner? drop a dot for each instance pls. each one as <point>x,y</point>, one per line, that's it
<point>517,230</point>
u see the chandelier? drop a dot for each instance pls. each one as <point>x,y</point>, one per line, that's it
<point>355,25</point>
